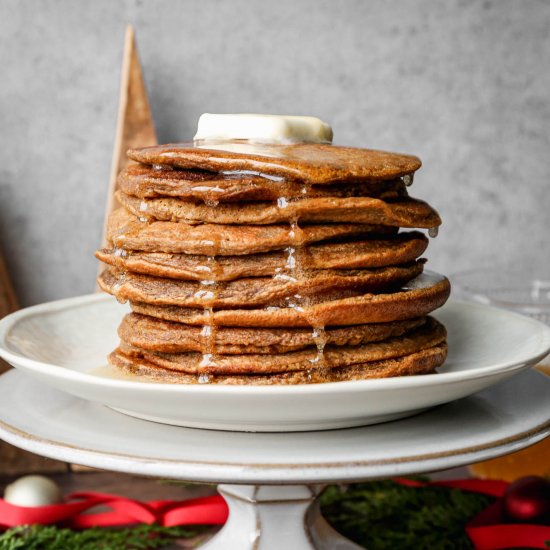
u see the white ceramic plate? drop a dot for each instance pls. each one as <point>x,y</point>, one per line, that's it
<point>65,344</point>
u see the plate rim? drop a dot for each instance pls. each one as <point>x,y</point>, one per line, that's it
<point>393,383</point>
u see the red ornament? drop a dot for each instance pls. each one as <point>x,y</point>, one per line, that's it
<point>527,500</point>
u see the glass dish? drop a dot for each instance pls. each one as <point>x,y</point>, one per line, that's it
<point>524,290</point>
<point>518,289</point>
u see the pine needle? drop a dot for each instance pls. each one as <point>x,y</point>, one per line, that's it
<point>384,515</point>
<point>141,537</point>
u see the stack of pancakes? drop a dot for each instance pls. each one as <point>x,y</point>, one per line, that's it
<point>272,264</point>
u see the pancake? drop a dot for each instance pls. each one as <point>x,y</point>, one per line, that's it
<point>255,291</point>
<point>406,212</point>
<point>148,333</point>
<point>144,181</point>
<point>422,362</point>
<point>432,333</point>
<point>419,298</point>
<point>305,162</point>
<point>127,232</point>
<point>399,249</point>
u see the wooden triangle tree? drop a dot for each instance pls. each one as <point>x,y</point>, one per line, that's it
<point>135,126</point>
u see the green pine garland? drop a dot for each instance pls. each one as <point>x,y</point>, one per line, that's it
<point>141,537</point>
<point>384,515</point>
<point>379,515</point>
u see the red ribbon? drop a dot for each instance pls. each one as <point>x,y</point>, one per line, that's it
<point>121,511</point>
<point>490,487</point>
<point>487,530</point>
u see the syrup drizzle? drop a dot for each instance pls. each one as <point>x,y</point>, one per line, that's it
<point>117,285</point>
<point>408,179</point>
<point>292,270</point>
<point>319,336</point>
<point>143,208</point>
<point>128,230</point>
<point>120,253</point>
<point>282,202</point>
<point>241,173</point>
<point>208,294</point>
<point>212,203</point>
<point>295,270</point>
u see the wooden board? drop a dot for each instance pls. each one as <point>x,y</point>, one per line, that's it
<point>135,126</point>
<point>8,300</point>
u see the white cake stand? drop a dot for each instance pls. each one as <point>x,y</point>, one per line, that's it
<point>271,480</point>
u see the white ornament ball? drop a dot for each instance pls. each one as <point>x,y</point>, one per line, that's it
<point>32,491</point>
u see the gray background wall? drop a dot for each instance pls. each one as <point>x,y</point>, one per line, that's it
<point>463,84</point>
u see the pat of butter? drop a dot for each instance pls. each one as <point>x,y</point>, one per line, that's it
<point>263,128</point>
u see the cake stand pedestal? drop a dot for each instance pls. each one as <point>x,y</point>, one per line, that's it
<point>271,480</point>
<point>272,516</point>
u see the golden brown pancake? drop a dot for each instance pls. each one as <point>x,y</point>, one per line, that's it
<point>255,291</point>
<point>406,212</point>
<point>422,362</point>
<point>307,162</point>
<point>415,301</point>
<point>144,181</point>
<point>399,249</point>
<point>151,334</point>
<point>431,334</point>
<point>126,232</point>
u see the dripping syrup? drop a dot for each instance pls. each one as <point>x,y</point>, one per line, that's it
<point>129,230</point>
<point>282,202</point>
<point>295,270</point>
<point>408,179</point>
<point>117,285</point>
<point>159,167</point>
<point>203,379</point>
<point>319,336</point>
<point>208,295</point>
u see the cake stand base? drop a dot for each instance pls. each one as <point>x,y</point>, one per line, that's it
<point>271,480</point>
<point>270,517</point>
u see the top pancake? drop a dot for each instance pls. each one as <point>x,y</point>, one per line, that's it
<point>306,162</point>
